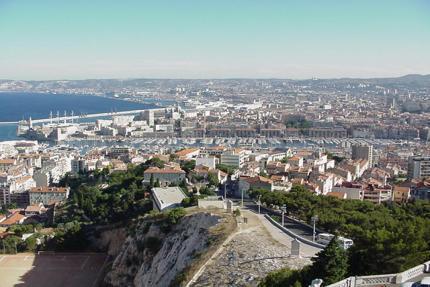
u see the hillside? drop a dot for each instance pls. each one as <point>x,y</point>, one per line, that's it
<point>165,249</point>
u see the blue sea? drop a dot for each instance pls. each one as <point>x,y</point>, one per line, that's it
<point>17,106</point>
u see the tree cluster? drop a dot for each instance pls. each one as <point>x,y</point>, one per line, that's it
<point>387,238</point>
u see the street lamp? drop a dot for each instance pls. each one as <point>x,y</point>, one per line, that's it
<point>242,198</point>
<point>284,210</point>
<point>259,203</point>
<point>314,220</point>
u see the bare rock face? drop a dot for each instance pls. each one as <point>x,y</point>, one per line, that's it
<point>157,254</point>
<point>111,240</point>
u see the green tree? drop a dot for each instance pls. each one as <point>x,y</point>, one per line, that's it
<point>331,264</point>
<point>282,278</point>
<point>151,180</point>
<point>213,179</point>
<point>174,215</point>
<point>188,166</point>
<point>226,168</point>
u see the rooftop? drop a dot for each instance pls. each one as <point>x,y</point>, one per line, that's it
<point>167,196</point>
<point>49,189</point>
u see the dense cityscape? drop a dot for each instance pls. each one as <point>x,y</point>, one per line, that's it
<point>214,143</point>
<point>225,144</point>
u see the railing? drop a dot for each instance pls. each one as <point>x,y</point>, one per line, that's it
<point>410,273</point>
<point>375,280</point>
<point>292,234</point>
<point>348,282</point>
<point>386,279</point>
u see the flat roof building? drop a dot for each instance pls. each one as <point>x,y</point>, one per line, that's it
<point>167,197</point>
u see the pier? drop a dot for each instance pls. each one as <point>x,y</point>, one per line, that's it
<point>69,118</point>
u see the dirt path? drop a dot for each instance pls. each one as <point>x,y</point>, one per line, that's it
<point>246,256</point>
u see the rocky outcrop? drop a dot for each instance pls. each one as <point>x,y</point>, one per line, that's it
<point>110,241</point>
<point>160,253</point>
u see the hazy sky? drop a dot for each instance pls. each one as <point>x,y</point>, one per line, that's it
<point>77,39</point>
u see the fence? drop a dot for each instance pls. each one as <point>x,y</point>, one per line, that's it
<point>386,279</point>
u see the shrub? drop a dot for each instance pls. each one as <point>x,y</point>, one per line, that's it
<point>236,212</point>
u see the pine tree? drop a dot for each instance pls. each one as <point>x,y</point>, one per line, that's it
<point>151,181</point>
<point>331,265</point>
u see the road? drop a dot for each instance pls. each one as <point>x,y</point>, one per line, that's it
<point>255,249</point>
<point>297,228</point>
<point>285,239</point>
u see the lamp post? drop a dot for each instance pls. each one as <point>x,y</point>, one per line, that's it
<point>242,199</point>
<point>314,220</point>
<point>259,203</point>
<point>284,210</point>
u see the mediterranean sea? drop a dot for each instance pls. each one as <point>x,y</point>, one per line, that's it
<point>16,106</point>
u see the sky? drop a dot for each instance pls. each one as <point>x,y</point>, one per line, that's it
<point>81,39</point>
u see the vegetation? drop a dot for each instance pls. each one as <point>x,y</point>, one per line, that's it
<point>330,265</point>
<point>9,244</point>
<point>100,198</point>
<point>263,174</point>
<point>236,212</point>
<point>285,159</point>
<point>226,168</point>
<point>188,166</point>
<point>387,238</point>
<point>298,123</point>
<point>13,242</point>
<point>206,190</point>
<point>336,158</point>
<point>174,215</point>
<point>213,179</point>
<point>123,199</point>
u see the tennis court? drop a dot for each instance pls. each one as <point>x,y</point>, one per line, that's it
<point>51,269</point>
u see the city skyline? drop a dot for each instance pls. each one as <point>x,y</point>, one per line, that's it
<point>189,39</point>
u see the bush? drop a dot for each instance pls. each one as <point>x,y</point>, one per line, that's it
<point>281,278</point>
<point>236,212</point>
<point>174,215</point>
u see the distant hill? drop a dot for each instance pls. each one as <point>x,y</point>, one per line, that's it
<point>412,79</point>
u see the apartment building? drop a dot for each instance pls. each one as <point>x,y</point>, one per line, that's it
<point>48,195</point>
<point>362,152</point>
<point>165,176</point>
<point>419,167</point>
<point>235,158</point>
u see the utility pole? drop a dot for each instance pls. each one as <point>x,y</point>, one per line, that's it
<point>314,220</point>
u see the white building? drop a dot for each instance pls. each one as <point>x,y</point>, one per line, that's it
<point>167,197</point>
<point>210,162</point>
<point>235,158</point>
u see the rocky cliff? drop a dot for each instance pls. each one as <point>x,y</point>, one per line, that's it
<point>160,252</point>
